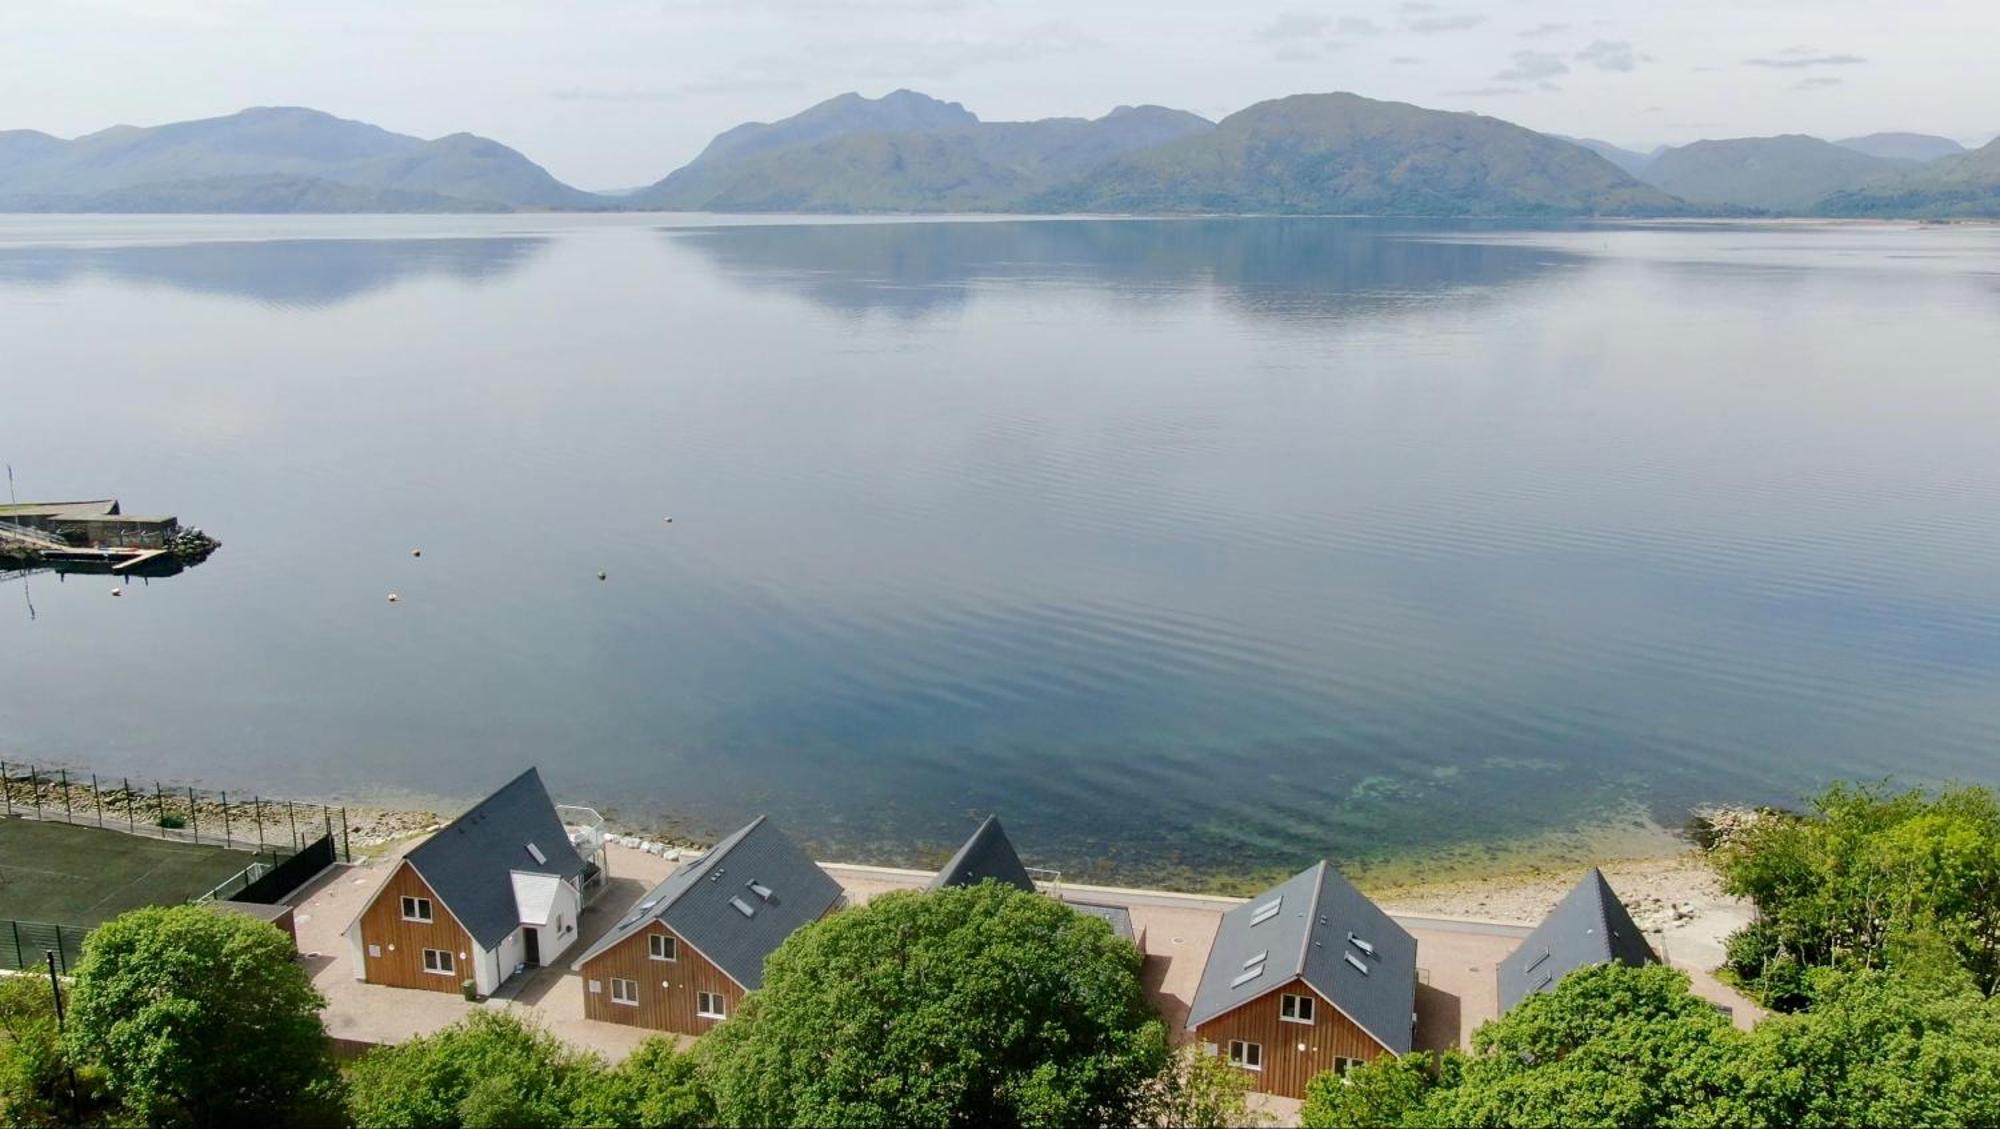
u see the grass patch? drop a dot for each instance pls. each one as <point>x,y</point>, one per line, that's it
<point>69,875</point>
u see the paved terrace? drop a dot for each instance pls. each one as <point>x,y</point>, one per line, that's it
<point>1456,959</point>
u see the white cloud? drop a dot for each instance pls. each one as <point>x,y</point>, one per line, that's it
<point>1533,66</point>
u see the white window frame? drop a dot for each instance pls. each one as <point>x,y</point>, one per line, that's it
<point>1342,1064</point>
<point>622,998</point>
<point>1241,1051</point>
<point>444,964</point>
<point>711,1005</point>
<point>418,909</point>
<point>655,946</point>
<point>1297,1003</point>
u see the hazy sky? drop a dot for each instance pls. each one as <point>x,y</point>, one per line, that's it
<point>613,93</point>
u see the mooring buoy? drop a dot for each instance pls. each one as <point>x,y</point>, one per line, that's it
<point>393,597</point>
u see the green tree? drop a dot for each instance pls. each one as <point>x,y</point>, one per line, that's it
<point>1837,884</point>
<point>1610,1045</point>
<point>960,1006</point>
<point>488,1069</point>
<point>1390,1091</point>
<point>1875,1048</point>
<point>201,1018</point>
<point>1200,1091</point>
<point>658,1086</point>
<point>34,1070</point>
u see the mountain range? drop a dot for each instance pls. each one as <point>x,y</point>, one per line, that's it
<point>907,152</point>
<point>271,159</point>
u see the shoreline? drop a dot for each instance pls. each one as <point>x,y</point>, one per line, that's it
<point>1661,874</point>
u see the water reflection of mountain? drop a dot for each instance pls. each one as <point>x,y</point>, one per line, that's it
<point>1284,268</point>
<point>279,272</point>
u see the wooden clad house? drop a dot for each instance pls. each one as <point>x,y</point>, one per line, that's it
<point>1309,977</point>
<point>989,856</point>
<point>687,952</point>
<point>1589,926</point>
<point>498,888</point>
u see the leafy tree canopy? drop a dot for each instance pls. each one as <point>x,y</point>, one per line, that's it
<point>492,1069</point>
<point>1624,1046</point>
<point>201,1018</point>
<point>967,1005</point>
<point>1862,869</point>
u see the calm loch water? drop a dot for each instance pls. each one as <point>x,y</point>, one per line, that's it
<point>1206,546</point>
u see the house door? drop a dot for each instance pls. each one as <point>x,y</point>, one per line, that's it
<point>531,945</point>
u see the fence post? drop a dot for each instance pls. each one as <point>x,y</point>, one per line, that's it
<point>225,818</point>
<point>131,814</point>
<point>35,790</point>
<point>7,787</point>
<point>346,853</point>
<point>68,815</point>
<point>194,821</point>
<point>97,796</point>
<point>257,806</point>
<point>160,802</point>
<point>17,943</point>
<point>292,818</point>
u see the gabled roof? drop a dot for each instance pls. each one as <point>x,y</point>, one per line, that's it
<point>988,855</point>
<point>756,869</point>
<point>1589,926</point>
<point>471,861</point>
<point>1316,927</point>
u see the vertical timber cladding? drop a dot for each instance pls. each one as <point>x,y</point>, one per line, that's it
<point>667,988</point>
<point>401,943</point>
<point>1287,1068</point>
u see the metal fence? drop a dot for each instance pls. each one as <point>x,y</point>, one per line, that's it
<point>181,813</point>
<point>24,944</point>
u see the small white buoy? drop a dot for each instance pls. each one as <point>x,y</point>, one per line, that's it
<point>118,591</point>
<point>416,552</point>
<point>670,521</point>
<point>393,597</point>
<point>600,576</point>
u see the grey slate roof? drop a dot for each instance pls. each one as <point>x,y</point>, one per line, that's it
<point>1589,926</point>
<point>1309,938</point>
<point>468,862</point>
<point>695,901</point>
<point>989,854</point>
<point>1119,917</point>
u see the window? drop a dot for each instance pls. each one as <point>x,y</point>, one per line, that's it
<point>1267,911</point>
<point>438,961</point>
<point>663,947</point>
<point>710,1005</point>
<point>1249,1056</point>
<point>416,909</point>
<point>1343,1065</point>
<point>625,992</point>
<point>1295,1009</point>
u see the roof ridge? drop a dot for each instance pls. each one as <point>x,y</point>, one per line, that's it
<point>1312,914</point>
<point>486,799</point>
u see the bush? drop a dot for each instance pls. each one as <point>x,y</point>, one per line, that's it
<point>1839,883</point>
<point>34,1071</point>
<point>1378,1093</point>
<point>964,1005</point>
<point>1200,1091</point>
<point>202,1018</point>
<point>171,821</point>
<point>656,1086</point>
<point>489,1068</point>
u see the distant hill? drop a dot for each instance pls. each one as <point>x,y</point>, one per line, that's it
<point>1779,174</point>
<point>273,158</point>
<point>1629,160</point>
<point>904,152</point>
<point>1918,147</point>
<point>1344,154</point>
<point>1962,187</point>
